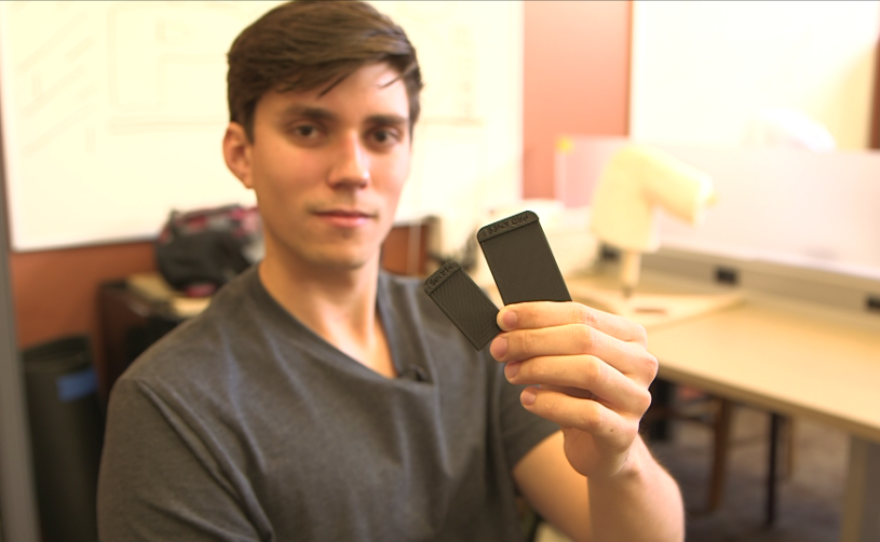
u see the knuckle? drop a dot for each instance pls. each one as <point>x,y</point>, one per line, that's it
<point>525,374</point>
<point>585,339</point>
<point>591,417</point>
<point>643,403</point>
<point>551,407</point>
<point>652,364</point>
<point>584,315</point>
<point>527,343</point>
<point>641,334</point>
<point>596,371</point>
<point>632,429</point>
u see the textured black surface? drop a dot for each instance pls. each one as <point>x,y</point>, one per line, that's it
<point>521,261</point>
<point>466,305</point>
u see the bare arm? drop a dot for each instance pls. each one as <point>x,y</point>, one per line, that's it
<point>597,480</point>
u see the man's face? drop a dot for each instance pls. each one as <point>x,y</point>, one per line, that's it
<point>328,170</point>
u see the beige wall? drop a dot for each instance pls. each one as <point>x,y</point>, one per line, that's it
<point>703,71</point>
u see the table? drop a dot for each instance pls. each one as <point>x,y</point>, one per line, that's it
<point>789,356</point>
<point>791,359</point>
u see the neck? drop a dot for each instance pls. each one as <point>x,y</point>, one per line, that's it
<point>339,305</point>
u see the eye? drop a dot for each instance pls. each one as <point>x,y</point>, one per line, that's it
<point>385,136</point>
<point>305,130</point>
<point>306,133</point>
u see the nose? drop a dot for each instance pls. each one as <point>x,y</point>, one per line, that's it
<point>352,163</point>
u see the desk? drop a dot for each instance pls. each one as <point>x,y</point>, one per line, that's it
<point>791,357</point>
<point>130,323</point>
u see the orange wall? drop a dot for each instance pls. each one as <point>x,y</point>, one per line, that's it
<point>55,291</point>
<point>576,79</point>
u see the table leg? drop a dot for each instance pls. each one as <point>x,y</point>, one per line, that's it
<point>663,396</point>
<point>772,476</point>
<point>861,510</point>
<point>719,452</point>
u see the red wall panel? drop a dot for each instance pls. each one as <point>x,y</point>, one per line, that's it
<point>576,79</point>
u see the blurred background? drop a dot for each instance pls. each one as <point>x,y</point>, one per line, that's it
<point>112,116</point>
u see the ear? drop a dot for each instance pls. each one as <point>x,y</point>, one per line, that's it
<point>237,153</point>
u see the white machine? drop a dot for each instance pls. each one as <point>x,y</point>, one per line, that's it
<point>635,182</point>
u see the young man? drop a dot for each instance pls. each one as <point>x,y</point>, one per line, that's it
<point>320,399</point>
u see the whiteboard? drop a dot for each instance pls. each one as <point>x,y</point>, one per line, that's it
<point>113,112</point>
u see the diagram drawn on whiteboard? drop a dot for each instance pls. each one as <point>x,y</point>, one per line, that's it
<point>118,110</point>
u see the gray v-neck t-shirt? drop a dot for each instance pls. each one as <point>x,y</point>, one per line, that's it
<point>243,424</point>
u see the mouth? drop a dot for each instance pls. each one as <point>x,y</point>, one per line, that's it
<point>346,218</point>
<point>345,213</point>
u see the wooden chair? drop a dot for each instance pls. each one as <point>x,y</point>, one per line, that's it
<point>686,404</point>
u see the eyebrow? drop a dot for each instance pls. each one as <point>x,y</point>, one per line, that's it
<point>308,111</point>
<point>321,113</point>
<point>388,119</point>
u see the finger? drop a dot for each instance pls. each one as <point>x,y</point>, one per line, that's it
<point>630,359</point>
<point>539,314</point>
<point>583,414</point>
<point>575,375</point>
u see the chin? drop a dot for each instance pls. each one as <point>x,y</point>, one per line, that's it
<point>328,256</point>
<point>343,260</point>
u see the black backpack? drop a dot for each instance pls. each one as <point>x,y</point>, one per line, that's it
<point>200,251</point>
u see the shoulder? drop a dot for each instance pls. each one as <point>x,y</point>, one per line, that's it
<point>199,351</point>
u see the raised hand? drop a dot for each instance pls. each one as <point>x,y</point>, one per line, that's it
<point>593,371</point>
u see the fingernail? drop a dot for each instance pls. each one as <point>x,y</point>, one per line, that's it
<point>528,396</point>
<point>509,320</point>
<point>499,347</point>
<point>511,370</point>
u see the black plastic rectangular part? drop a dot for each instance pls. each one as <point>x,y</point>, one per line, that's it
<point>464,303</point>
<point>521,261</point>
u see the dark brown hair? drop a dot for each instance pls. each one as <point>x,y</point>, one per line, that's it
<point>307,44</point>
